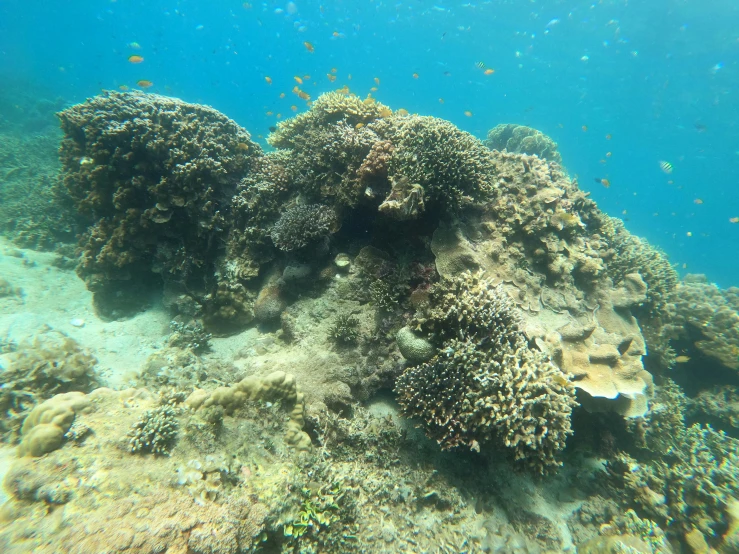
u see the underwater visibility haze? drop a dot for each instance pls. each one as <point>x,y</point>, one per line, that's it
<point>368,276</point>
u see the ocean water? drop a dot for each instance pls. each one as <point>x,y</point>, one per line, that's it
<point>659,77</point>
<point>329,379</point>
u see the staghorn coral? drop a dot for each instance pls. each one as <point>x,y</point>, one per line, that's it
<point>155,432</point>
<point>486,384</point>
<point>345,330</point>
<point>684,477</point>
<point>301,225</point>
<point>522,140</point>
<point>154,177</point>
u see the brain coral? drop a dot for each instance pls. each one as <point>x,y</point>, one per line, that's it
<point>154,176</point>
<point>486,384</point>
<point>522,140</point>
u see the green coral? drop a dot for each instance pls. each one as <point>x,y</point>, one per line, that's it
<point>486,385</point>
<point>345,329</point>
<point>155,432</point>
<point>522,140</point>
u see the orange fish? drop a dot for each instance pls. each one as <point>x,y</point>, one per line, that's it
<point>294,108</point>
<point>298,80</point>
<point>135,58</point>
<point>377,80</point>
<point>308,46</point>
<point>734,220</point>
<point>143,83</point>
<point>282,95</point>
<point>585,128</point>
<point>698,201</point>
<point>605,182</point>
<point>269,80</point>
<point>489,71</point>
<point>608,136</point>
<point>331,77</point>
<point>468,113</point>
<point>415,75</point>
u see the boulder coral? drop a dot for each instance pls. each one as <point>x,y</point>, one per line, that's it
<point>520,139</point>
<point>486,385</point>
<point>154,178</point>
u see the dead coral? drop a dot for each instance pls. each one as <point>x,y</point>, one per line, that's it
<point>154,176</point>
<point>486,384</point>
<point>520,139</point>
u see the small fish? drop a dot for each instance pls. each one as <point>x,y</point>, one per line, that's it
<point>441,100</point>
<point>282,95</point>
<point>268,80</point>
<point>700,127</point>
<point>124,88</point>
<point>272,128</point>
<point>359,125</point>
<point>308,46</point>
<point>401,112</point>
<point>605,182</point>
<point>468,113</point>
<point>135,58</point>
<point>268,113</point>
<point>698,201</point>
<point>585,128</point>
<point>688,234</point>
<point>377,80</point>
<point>608,154</point>
<point>480,65</point>
<point>608,136</point>
<point>294,108</point>
<point>144,83</point>
<point>489,71</point>
<point>682,359</point>
<point>134,45</point>
<point>331,77</point>
<point>373,89</point>
<point>298,80</point>
<point>552,23</point>
<point>685,266</point>
<point>415,75</point>
<point>243,146</point>
<point>306,77</point>
<point>734,220</point>
<point>386,112</point>
<point>665,166</point>
<point>333,70</point>
<point>303,95</point>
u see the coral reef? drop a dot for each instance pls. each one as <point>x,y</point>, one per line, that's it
<point>155,432</point>
<point>706,316</point>
<point>189,335</point>
<point>345,330</point>
<point>522,140</point>
<point>486,383</point>
<point>154,177</point>
<point>684,477</point>
<point>415,349</point>
<point>52,363</point>
<point>300,225</point>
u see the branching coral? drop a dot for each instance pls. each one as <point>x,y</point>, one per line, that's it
<point>685,477</point>
<point>522,140</point>
<point>300,225</point>
<point>155,432</point>
<point>154,176</point>
<point>345,329</point>
<point>486,383</point>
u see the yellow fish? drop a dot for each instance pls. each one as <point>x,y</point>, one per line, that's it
<point>682,359</point>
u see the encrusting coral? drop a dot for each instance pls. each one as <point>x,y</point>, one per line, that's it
<point>520,139</point>
<point>486,384</point>
<point>154,177</point>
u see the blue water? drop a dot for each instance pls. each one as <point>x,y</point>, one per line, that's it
<point>659,76</point>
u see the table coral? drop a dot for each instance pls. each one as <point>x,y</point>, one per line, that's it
<point>522,140</point>
<point>486,384</point>
<point>154,177</point>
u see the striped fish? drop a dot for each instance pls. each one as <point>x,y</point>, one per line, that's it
<point>665,166</point>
